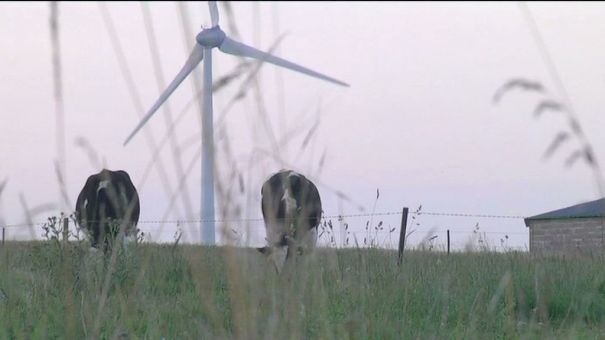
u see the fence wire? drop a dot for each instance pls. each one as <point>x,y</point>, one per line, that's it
<point>335,230</point>
<point>338,217</point>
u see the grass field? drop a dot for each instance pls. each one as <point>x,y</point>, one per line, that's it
<point>48,290</point>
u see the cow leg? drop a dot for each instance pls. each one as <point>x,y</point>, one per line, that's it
<point>129,239</point>
<point>309,241</point>
<point>95,238</point>
<point>278,257</point>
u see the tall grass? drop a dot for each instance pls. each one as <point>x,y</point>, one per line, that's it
<point>57,290</point>
<point>53,290</point>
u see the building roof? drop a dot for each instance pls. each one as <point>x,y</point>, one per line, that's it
<point>584,210</point>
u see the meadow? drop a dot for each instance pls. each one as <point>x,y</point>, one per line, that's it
<point>51,289</point>
<point>59,290</point>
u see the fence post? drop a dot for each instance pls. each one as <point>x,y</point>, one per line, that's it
<point>65,229</point>
<point>3,234</point>
<point>448,241</point>
<point>404,222</point>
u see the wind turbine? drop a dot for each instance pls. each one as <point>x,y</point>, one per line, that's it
<point>208,39</point>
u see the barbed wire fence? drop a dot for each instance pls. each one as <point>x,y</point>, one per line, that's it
<point>334,230</point>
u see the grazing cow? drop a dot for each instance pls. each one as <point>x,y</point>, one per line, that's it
<point>291,209</point>
<point>109,201</point>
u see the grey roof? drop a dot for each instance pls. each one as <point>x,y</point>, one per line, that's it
<point>589,209</point>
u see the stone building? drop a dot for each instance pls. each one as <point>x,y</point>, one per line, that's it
<point>575,229</point>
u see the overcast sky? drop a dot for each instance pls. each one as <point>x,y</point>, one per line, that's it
<point>418,122</point>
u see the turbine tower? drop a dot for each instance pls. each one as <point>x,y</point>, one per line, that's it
<point>206,40</point>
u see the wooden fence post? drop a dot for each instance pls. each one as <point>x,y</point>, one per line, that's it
<point>65,229</point>
<point>448,241</point>
<point>404,222</point>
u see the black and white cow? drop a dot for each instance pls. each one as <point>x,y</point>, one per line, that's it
<point>109,201</point>
<point>291,208</point>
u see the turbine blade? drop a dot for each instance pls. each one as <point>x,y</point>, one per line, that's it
<point>194,59</point>
<point>233,47</point>
<point>213,12</point>
<point>2,185</point>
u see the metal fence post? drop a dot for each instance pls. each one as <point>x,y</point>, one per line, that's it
<point>448,241</point>
<point>3,234</point>
<point>404,222</point>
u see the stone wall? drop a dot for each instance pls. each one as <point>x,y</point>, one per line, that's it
<point>583,235</point>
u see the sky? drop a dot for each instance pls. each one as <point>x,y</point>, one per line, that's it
<point>418,126</point>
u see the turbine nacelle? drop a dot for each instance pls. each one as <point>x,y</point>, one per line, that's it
<point>211,37</point>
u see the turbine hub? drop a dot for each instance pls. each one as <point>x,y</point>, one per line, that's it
<point>211,37</point>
